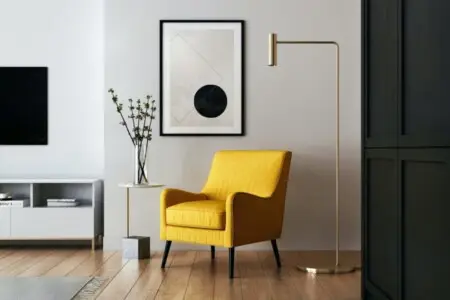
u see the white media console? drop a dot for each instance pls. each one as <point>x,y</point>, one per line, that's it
<point>39,222</point>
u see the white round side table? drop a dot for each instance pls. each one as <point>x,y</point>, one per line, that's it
<point>136,247</point>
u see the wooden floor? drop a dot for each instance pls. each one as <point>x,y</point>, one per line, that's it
<point>190,274</point>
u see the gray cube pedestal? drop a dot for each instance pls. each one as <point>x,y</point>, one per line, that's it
<point>136,247</point>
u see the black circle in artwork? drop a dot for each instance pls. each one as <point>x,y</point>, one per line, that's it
<point>210,101</point>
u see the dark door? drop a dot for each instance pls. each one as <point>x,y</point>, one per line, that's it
<point>425,197</point>
<point>407,74</point>
<point>406,149</point>
<point>380,212</point>
<point>425,73</point>
<point>381,76</point>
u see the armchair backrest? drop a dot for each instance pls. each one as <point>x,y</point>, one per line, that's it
<point>260,172</point>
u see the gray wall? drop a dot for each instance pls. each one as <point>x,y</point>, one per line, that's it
<point>66,36</point>
<point>289,107</point>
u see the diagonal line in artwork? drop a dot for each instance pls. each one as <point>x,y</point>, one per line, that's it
<point>201,56</point>
<point>175,118</point>
<point>182,118</point>
<point>175,36</point>
<point>185,116</point>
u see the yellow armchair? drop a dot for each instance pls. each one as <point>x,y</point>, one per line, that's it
<point>241,203</point>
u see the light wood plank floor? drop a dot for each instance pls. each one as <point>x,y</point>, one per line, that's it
<point>191,275</point>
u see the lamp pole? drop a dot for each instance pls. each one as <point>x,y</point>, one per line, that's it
<point>273,61</point>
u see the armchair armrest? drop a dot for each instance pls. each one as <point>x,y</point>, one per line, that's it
<point>245,204</point>
<point>170,197</point>
<point>244,200</point>
<point>248,217</point>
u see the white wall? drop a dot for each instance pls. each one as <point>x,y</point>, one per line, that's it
<point>289,107</point>
<point>66,36</point>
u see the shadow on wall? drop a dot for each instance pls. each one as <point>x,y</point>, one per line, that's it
<point>197,169</point>
<point>309,222</point>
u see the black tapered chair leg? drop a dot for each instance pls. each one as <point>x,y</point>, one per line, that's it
<point>276,253</point>
<point>166,253</point>
<point>231,262</point>
<point>213,252</point>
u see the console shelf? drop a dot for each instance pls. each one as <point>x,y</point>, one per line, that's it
<point>39,222</point>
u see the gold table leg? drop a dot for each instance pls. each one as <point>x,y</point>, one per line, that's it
<point>128,212</point>
<point>93,245</point>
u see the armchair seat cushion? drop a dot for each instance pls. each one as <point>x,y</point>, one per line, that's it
<point>208,214</point>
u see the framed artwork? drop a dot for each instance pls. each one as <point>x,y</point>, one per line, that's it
<point>202,77</point>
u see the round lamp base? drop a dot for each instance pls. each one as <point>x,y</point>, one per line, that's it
<point>327,270</point>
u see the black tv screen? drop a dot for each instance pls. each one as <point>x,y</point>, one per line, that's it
<point>23,105</point>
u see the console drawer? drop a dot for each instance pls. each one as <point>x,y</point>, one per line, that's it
<point>52,223</point>
<point>5,222</point>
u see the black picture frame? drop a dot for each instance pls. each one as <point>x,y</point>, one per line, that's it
<point>161,74</point>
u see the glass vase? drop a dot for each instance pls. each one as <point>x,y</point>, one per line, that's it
<point>140,165</point>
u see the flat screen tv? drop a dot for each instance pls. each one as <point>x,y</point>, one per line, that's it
<point>23,105</point>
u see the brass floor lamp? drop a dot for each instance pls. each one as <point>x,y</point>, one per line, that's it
<point>273,43</point>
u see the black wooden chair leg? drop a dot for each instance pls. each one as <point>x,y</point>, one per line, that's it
<point>213,252</point>
<point>276,253</point>
<point>166,253</point>
<point>231,262</point>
